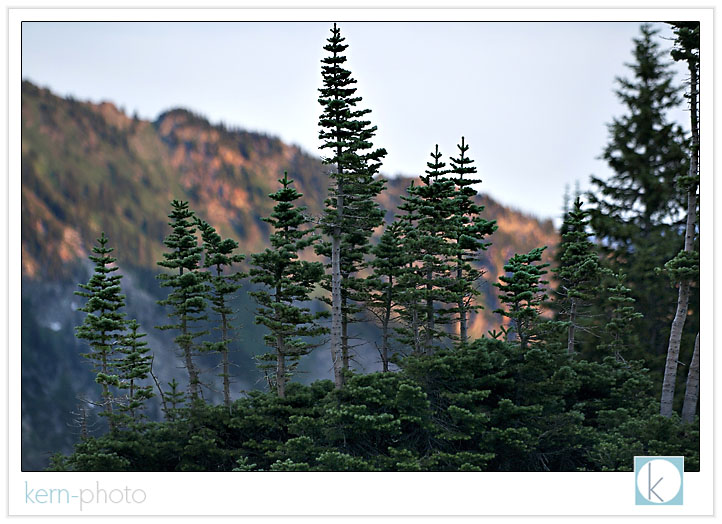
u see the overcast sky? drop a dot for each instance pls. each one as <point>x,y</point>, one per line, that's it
<point>532,99</point>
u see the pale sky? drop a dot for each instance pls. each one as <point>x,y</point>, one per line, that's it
<point>531,99</point>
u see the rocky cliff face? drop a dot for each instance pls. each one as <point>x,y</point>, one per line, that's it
<point>88,168</point>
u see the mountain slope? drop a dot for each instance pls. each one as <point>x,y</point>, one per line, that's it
<point>88,168</point>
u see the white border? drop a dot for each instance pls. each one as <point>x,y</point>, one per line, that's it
<point>361,493</point>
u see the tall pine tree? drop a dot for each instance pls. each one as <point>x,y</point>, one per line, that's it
<point>287,282</point>
<point>351,213</point>
<point>469,229</point>
<point>632,211</point>
<point>104,323</point>
<point>188,289</point>
<point>220,258</point>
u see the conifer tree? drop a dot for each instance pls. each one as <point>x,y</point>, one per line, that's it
<point>436,205</point>
<point>351,213</point>
<point>133,369</point>
<point>620,333</point>
<point>220,257</point>
<point>684,268</point>
<point>522,291</point>
<point>469,230</point>
<point>631,212</point>
<point>287,282</point>
<point>579,273</point>
<point>187,298</point>
<point>175,398</point>
<point>383,284</point>
<point>104,323</point>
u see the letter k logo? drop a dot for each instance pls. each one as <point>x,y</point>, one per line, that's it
<point>659,480</point>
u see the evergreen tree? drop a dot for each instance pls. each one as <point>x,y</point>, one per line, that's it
<point>632,211</point>
<point>187,298</point>
<point>434,203</point>
<point>175,398</point>
<point>219,256</point>
<point>287,282</point>
<point>351,213</point>
<point>522,291</point>
<point>133,369</point>
<point>620,333</point>
<point>383,284</point>
<point>684,268</point>
<point>469,230</point>
<point>578,274</point>
<point>104,324</point>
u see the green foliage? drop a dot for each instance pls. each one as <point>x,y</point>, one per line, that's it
<point>287,281</point>
<point>133,369</point>
<point>620,333</point>
<point>579,274</point>
<point>635,213</point>
<point>219,255</point>
<point>188,288</point>
<point>468,231</point>
<point>487,406</point>
<point>522,291</point>
<point>351,213</point>
<point>104,323</point>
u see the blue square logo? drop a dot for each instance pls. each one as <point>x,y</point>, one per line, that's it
<point>659,480</point>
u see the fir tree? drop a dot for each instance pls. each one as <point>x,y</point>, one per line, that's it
<point>632,210</point>
<point>684,268</point>
<point>351,213</point>
<point>220,257</point>
<point>620,333</point>
<point>175,398</point>
<point>578,274</point>
<point>522,291</point>
<point>286,282</point>
<point>435,202</point>
<point>187,298</point>
<point>383,284</point>
<point>133,369</point>
<point>469,230</point>
<point>104,323</point>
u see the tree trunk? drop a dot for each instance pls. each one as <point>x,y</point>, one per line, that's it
<point>429,313</point>
<point>280,368</point>
<point>385,329</point>
<point>190,365</point>
<point>675,335</point>
<point>691,394</point>
<point>107,399</point>
<point>226,363</point>
<point>344,330</point>
<point>336,308</point>
<point>462,307</point>
<point>572,327</point>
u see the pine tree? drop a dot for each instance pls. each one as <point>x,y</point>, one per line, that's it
<point>435,206</point>
<point>383,284</point>
<point>104,324</point>
<point>133,369</point>
<point>620,332</point>
<point>684,268</point>
<point>469,230</point>
<point>286,282</point>
<point>632,211</point>
<point>578,275</point>
<point>219,256</point>
<point>187,298</point>
<point>522,291</point>
<point>175,398</point>
<point>351,213</point>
